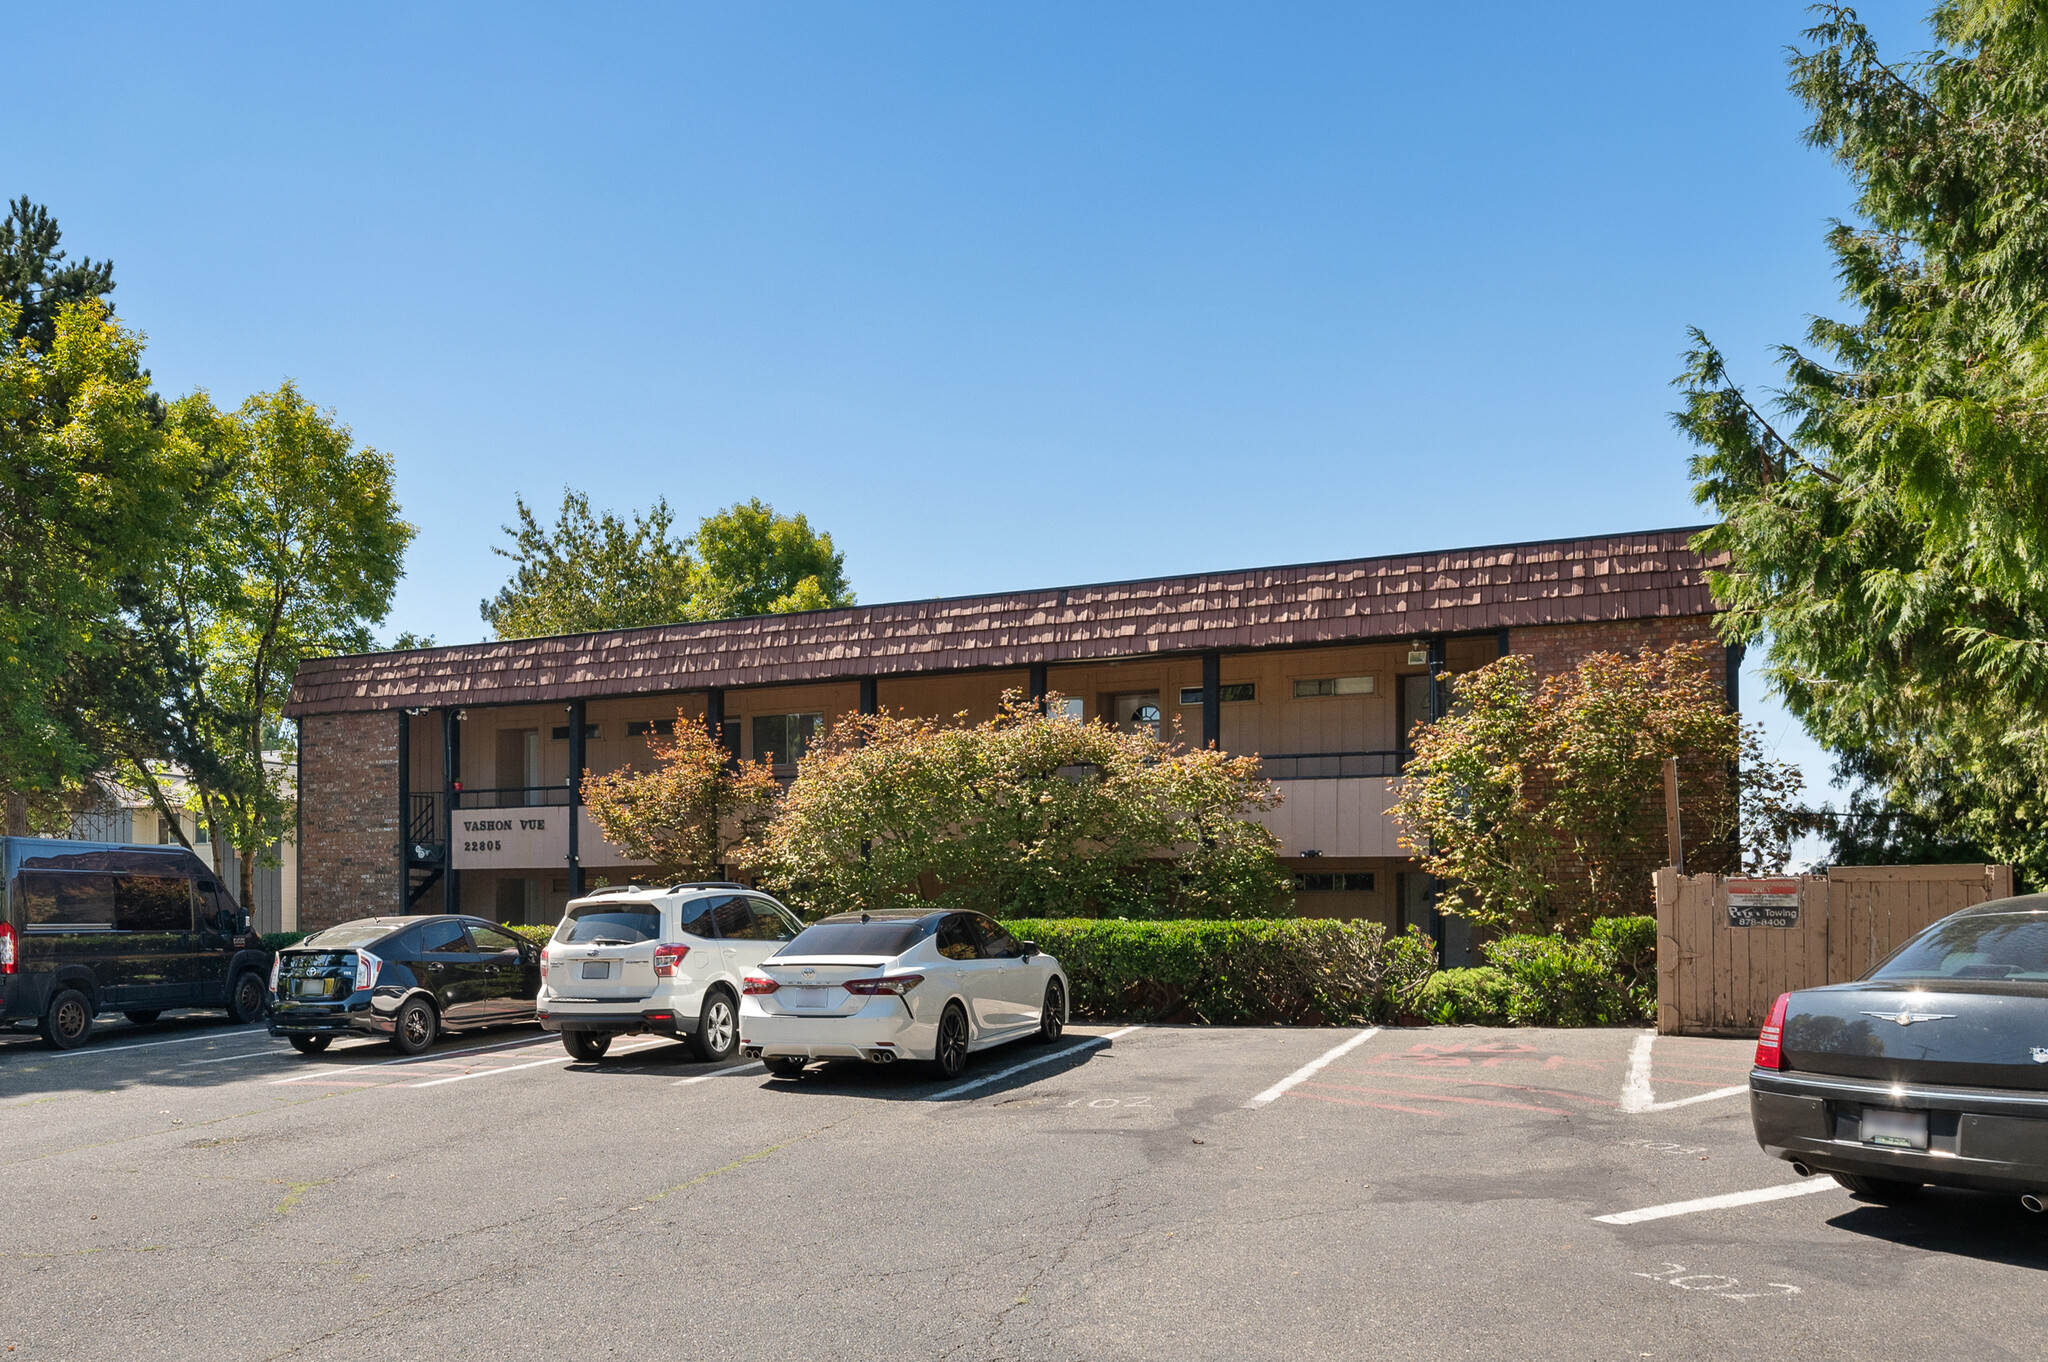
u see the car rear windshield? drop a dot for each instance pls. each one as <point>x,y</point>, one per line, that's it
<point>855,938</point>
<point>346,937</point>
<point>622,923</point>
<point>1997,946</point>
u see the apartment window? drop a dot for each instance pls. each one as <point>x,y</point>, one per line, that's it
<point>651,728</point>
<point>1070,707</point>
<point>561,733</point>
<point>1352,882</point>
<point>1234,693</point>
<point>1335,685</point>
<point>784,738</point>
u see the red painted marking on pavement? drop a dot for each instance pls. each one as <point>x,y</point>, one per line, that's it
<point>1482,1083</point>
<point>1433,1097</point>
<point>1347,1102</point>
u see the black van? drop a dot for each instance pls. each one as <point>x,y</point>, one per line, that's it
<point>92,927</point>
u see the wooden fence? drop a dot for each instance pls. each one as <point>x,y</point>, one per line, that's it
<point>1717,979</point>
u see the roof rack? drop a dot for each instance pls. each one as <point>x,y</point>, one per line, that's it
<point>708,884</point>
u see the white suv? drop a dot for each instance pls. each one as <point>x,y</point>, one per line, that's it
<point>664,960</point>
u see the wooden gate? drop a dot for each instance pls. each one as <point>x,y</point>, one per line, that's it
<point>1717,979</point>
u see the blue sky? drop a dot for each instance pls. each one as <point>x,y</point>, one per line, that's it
<point>1001,295</point>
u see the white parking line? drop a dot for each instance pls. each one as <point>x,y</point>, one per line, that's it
<point>719,1073</point>
<point>408,1059</point>
<point>530,1064</point>
<point>152,1044</point>
<point>1309,1069</point>
<point>246,1054</point>
<point>1636,1094</point>
<point>1089,1044</point>
<point>1781,1192</point>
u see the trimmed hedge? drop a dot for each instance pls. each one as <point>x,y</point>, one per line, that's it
<point>1296,971</point>
<point>1312,971</point>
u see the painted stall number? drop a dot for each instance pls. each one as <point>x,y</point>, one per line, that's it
<point>1104,1103</point>
<point>1674,1274</point>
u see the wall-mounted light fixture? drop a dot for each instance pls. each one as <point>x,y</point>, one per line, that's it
<point>1418,654</point>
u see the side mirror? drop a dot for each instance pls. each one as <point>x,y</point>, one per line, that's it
<point>1030,949</point>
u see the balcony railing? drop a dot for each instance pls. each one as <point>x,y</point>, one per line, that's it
<point>1328,765</point>
<point>513,797</point>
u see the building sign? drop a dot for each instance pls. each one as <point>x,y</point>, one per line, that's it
<point>1764,903</point>
<point>487,839</point>
<point>535,838</point>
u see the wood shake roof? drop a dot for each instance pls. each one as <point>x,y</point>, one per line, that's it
<point>1653,574</point>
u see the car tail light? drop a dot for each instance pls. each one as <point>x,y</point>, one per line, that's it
<point>895,985</point>
<point>10,952</point>
<point>668,960</point>
<point>754,985</point>
<point>276,966</point>
<point>1770,1047</point>
<point>368,967</point>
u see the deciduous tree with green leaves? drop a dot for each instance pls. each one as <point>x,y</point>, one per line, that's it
<point>1540,804</point>
<point>93,498</point>
<point>687,812</point>
<point>602,571</point>
<point>1885,511</point>
<point>297,555</point>
<point>1029,814</point>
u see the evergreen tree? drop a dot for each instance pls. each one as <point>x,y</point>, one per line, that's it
<point>1886,510</point>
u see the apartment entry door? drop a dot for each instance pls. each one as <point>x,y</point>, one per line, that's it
<point>518,767</point>
<point>1136,713</point>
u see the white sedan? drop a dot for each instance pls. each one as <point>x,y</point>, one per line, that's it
<point>899,985</point>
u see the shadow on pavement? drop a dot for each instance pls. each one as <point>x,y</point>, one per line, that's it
<point>193,1050</point>
<point>914,1081</point>
<point>1989,1226</point>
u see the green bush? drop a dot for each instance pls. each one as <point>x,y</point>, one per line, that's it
<point>1466,997</point>
<point>1289,970</point>
<point>277,941</point>
<point>1604,978</point>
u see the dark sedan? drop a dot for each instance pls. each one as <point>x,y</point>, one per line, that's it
<point>405,978</point>
<point>1931,1069</point>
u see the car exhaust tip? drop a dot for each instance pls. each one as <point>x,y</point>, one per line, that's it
<point>1801,1169</point>
<point>881,1056</point>
<point>2034,1202</point>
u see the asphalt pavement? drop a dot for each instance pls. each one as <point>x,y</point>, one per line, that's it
<point>195,1190</point>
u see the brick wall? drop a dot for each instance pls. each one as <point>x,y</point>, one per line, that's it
<point>1558,647</point>
<point>349,856</point>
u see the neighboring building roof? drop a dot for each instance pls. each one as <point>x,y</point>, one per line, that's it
<point>1651,575</point>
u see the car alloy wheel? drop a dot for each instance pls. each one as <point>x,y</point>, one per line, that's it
<point>245,1002</point>
<point>1052,1018</point>
<point>718,1030</point>
<point>952,1051</point>
<point>69,1020</point>
<point>415,1027</point>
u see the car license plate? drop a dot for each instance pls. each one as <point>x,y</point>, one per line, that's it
<point>1894,1129</point>
<point>597,969</point>
<point>312,988</point>
<point>809,997</point>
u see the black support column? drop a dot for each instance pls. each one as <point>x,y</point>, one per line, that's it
<point>576,758</point>
<point>714,715</point>
<point>1439,704</point>
<point>1037,683</point>
<point>1501,641</point>
<point>868,703</point>
<point>1212,699</point>
<point>1736,652</point>
<point>451,771</point>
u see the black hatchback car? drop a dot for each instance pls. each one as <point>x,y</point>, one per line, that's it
<point>404,978</point>
<point>1931,1069</point>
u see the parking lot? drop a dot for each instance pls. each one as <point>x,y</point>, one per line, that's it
<point>194,1190</point>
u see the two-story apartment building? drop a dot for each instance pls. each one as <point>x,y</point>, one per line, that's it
<point>442,779</point>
